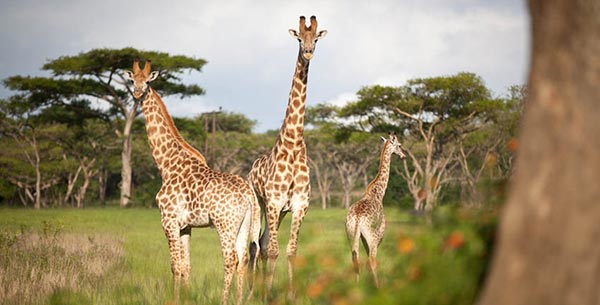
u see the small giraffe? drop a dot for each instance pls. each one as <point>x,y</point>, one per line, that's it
<point>281,177</point>
<point>365,219</point>
<point>193,195</point>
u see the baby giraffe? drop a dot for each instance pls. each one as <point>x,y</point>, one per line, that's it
<point>365,219</point>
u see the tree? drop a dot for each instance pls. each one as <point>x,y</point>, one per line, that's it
<point>485,155</point>
<point>27,140</point>
<point>352,158</point>
<point>432,113</point>
<point>547,250</point>
<point>321,143</point>
<point>97,74</point>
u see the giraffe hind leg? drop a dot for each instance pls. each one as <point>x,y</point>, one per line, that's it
<point>240,249</point>
<point>354,237</point>
<point>372,251</point>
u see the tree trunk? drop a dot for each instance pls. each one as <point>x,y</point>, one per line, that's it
<point>71,180</point>
<point>102,182</point>
<point>126,171</point>
<point>38,174</point>
<point>548,250</point>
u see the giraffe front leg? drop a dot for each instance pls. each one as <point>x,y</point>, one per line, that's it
<point>185,235</point>
<point>272,249</point>
<point>297,218</point>
<point>173,238</point>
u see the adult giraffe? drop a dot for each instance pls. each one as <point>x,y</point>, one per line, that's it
<point>281,177</point>
<point>193,195</point>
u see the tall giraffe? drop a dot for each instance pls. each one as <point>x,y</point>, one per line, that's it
<point>365,219</point>
<point>281,177</point>
<point>193,195</point>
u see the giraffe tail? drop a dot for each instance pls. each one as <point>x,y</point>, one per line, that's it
<point>254,237</point>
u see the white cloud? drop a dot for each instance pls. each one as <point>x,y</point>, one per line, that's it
<point>251,56</point>
<point>342,99</point>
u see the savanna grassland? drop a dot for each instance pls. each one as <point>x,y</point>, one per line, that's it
<point>120,256</point>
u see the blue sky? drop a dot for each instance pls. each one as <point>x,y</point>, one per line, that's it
<point>251,56</point>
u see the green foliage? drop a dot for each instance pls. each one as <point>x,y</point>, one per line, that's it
<point>106,62</point>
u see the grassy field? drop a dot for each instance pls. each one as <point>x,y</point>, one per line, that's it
<point>120,256</point>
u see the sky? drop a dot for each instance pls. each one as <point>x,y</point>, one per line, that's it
<point>251,57</point>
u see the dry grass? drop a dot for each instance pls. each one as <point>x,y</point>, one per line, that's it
<point>33,265</point>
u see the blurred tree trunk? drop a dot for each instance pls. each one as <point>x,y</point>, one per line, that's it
<point>548,250</point>
<point>102,182</point>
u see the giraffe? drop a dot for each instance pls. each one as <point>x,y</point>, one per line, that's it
<point>365,219</point>
<point>193,195</point>
<point>281,178</point>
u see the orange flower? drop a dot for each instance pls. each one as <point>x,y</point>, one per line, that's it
<point>512,145</point>
<point>454,241</point>
<point>299,261</point>
<point>314,290</point>
<point>405,245</point>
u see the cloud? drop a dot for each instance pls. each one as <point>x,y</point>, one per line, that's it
<point>251,56</point>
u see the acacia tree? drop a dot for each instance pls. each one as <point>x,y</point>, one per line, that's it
<point>97,74</point>
<point>432,113</point>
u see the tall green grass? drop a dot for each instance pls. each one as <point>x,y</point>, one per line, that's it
<point>120,256</point>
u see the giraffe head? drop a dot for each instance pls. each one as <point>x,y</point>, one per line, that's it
<point>307,36</point>
<point>395,145</point>
<point>140,78</point>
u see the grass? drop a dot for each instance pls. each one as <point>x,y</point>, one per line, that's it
<point>120,256</point>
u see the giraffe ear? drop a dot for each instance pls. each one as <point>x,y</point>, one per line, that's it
<point>152,76</point>
<point>128,75</point>
<point>294,33</point>
<point>321,34</point>
<point>383,139</point>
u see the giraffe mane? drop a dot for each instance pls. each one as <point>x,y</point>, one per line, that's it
<point>171,125</point>
<point>370,186</point>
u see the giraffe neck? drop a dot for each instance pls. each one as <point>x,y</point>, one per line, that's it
<point>376,188</point>
<point>292,130</point>
<point>164,138</point>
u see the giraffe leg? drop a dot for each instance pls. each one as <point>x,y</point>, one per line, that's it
<point>373,260</point>
<point>230,261</point>
<point>240,248</point>
<point>173,238</point>
<point>352,230</point>
<point>297,217</point>
<point>185,235</point>
<point>273,220</point>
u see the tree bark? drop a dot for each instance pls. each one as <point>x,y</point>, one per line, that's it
<point>126,171</point>
<point>548,250</point>
<point>102,182</point>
